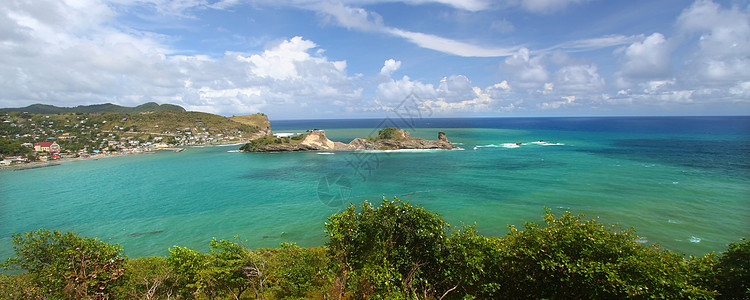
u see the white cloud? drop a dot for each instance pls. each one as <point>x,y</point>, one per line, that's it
<point>724,42</point>
<point>647,59</point>
<point>395,91</point>
<point>390,66</point>
<point>71,55</point>
<point>525,71</point>
<point>450,46</point>
<point>456,88</point>
<point>361,19</point>
<point>578,78</point>
<point>567,100</point>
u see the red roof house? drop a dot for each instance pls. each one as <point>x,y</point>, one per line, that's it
<point>50,147</point>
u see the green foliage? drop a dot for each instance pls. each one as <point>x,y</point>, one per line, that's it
<point>577,258</point>
<point>187,264</point>
<point>391,251</point>
<point>388,133</point>
<point>300,272</point>
<point>67,266</point>
<point>18,287</point>
<point>147,278</point>
<point>733,271</point>
<point>472,264</point>
<point>13,148</point>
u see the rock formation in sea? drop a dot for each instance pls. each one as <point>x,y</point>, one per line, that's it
<point>387,139</point>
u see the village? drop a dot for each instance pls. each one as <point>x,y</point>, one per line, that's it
<point>27,138</point>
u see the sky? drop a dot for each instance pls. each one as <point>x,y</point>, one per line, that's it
<point>305,59</point>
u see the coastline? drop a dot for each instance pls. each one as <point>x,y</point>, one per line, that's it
<point>59,161</point>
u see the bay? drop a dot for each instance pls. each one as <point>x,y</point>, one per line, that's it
<point>682,182</point>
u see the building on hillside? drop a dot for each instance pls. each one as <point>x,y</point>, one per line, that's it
<point>50,147</point>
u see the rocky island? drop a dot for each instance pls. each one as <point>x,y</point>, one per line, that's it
<point>315,140</point>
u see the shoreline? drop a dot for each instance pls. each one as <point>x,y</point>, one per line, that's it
<point>57,162</point>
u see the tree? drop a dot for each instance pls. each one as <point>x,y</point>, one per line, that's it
<point>298,271</point>
<point>187,264</point>
<point>147,278</point>
<point>67,266</point>
<point>733,271</point>
<point>391,251</point>
<point>576,258</point>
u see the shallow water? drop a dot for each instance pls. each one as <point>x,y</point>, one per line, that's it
<point>681,182</point>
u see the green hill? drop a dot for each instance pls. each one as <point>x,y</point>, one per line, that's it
<point>96,108</point>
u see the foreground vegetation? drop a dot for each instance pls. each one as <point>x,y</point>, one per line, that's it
<point>393,251</point>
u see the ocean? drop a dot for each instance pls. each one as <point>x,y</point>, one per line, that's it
<point>681,182</point>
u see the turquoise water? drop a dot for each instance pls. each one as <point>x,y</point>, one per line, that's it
<point>682,183</point>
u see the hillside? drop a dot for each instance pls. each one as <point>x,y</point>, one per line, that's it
<point>108,131</point>
<point>258,120</point>
<point>96,108</point>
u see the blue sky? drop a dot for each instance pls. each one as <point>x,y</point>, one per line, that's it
<point>304,59</point>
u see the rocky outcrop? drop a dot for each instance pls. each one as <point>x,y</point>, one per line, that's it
<point>387,139</point>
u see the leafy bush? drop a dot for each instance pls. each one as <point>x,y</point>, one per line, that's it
<point>299,272</point>
<point>733,271</point>
<point>187,264</point>
<point>18,287</point>
<point>576,258</point>
<point>390,251</point>
<point>66,265</point>
<point>388,133</point>
<point>147,278</point>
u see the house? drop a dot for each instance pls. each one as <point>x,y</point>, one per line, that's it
<point>50,147</point>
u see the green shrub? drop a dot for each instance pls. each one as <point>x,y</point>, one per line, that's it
<point>733,271</point>
<point>390,251</point>
<point>67,266</point>
<point>472,265</point>
<point>388,133</point>
<point>18,287</point>
<point>576,258</point>
<point>187,264</point>
<point>300,272</point>
<point>147,278</point>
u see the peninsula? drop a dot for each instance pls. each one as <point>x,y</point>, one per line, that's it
<point>315,140</point>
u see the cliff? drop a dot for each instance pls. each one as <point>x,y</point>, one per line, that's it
<point>387,139</point>
<point>259,120</point>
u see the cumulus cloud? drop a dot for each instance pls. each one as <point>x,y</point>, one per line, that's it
<point>723,41</point>
<point>395,91</point>
<point>390,66</point>
<point>578,78</point>
<point>456,88</point>
<point>525,71</point>
<point>69,55</point>
<point>647,59</point>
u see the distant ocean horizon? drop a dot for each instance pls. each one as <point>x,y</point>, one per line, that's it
<point>681,182</point>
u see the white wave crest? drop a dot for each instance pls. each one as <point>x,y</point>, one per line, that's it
<point>400,151</point>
